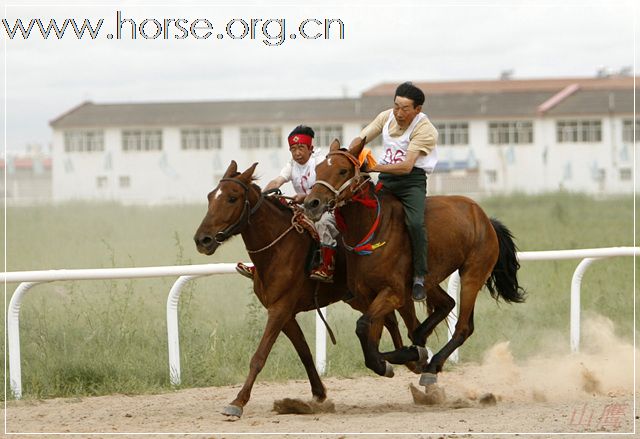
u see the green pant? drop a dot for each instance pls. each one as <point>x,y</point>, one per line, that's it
<point>411,189</point>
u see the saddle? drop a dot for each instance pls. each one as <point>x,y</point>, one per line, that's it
<point>301,223</point>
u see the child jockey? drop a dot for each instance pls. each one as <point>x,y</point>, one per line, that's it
<point>301,172</point>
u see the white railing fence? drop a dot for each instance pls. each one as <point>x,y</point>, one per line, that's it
<point>588,256</point>
<point>29,279</point>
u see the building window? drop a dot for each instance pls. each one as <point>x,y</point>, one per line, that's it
<point>125,181</point>
<point>101,181</point>
<point>453,133</point>
<point>492,176</point>
<point>201,139</point>
<point>510,132</point>
<point>260,137</point>
<point>142,140</point>
<point>324,135</point>
<point>83,141</point>
<point>625,174</point>
<point>568,131</point>
<point>628,130</point>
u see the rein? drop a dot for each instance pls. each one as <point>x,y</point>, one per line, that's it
<point>244,219</point>
<point>296,223</point>
<point>248,211</point>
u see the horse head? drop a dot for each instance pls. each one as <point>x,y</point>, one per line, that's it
<point>230,206</point>
<point>337,180</point>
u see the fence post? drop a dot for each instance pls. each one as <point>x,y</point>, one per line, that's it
<point>453,289</point>
<point>13,334</point>
<point>321,343</point>
<point>576,282</point>
<point>173,337</point>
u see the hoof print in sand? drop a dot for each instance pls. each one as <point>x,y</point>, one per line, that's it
<point>294,406</point>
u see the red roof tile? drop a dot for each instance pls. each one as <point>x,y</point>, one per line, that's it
<point>507,85</point>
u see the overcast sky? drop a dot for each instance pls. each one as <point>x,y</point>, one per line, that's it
<point>383,41</point>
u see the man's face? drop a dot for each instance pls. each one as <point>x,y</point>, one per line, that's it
<point>404,111</point>
<point>300,153</point>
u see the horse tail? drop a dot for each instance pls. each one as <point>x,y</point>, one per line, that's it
<point>503,281</point>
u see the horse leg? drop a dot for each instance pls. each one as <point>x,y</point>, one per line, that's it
<point>471,282</point>
<point>405,355</point>
<point>408,313</point>
<point>292,330</point>
<point>368,328</point>
<point>276,320</point>
<point>391,323</point>
<point>442,305</point>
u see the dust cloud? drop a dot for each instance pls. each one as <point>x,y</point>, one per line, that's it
<point>603,367</point>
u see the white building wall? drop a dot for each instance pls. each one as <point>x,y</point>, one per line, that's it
<point>175,175</point>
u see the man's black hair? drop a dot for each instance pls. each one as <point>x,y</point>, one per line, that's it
<point>410,91</point>
<point>302,129</point>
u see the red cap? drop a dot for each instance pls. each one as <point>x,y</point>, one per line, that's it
<point>301,139</point>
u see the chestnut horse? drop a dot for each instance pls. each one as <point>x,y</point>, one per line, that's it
<point>461,237</point>
<point>281,284</point>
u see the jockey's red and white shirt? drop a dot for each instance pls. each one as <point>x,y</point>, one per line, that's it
<point>302,177</point>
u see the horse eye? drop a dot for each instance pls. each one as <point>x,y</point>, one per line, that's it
<point>343,172</point>
<point>232,199</point>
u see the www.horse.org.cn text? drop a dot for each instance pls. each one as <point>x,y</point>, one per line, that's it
<point>270,31</point>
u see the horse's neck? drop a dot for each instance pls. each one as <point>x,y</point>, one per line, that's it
<point>265,226</point>
<point>358,218</point>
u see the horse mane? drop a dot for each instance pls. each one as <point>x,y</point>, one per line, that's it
<point>363,167</point>
<point>272,200</point>
<point>276,202</point>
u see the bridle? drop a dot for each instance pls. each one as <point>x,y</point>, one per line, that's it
<point>247,211</point>
<point>355,180</point>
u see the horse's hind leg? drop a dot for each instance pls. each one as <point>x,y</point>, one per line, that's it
<point>408,313</point>
<point>471,281</point>
<point>391,323</point>
<point>294,333</point>
<point>442,305</point>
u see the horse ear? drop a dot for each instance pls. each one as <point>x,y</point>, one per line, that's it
<point>246,175</point>
<point>356,149</point>
<point>232,169</point>
<point>335,145</point>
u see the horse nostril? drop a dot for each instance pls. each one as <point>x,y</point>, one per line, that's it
<point>313,203</point>
<point>206,240</point>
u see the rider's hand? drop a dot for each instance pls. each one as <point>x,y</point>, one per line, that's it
<point>299,198</point>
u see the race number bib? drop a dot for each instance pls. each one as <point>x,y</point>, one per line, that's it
<point>392,157</point>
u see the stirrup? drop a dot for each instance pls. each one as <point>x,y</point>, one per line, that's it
<point>322,276</point>
<point>245,270</point>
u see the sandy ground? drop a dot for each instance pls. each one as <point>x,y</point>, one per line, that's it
<point>587,392</point>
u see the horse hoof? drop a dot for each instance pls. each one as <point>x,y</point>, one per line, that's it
<point>427,379</point>
<point>233,412</point>
<point>388,370</point>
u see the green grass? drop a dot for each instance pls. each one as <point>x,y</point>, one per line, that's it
<point>102,337</point>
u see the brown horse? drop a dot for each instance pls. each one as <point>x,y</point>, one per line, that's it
<point>281,284</point>
<point>461,237</point>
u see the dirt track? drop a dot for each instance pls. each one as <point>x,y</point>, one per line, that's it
<point>587,392</point>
